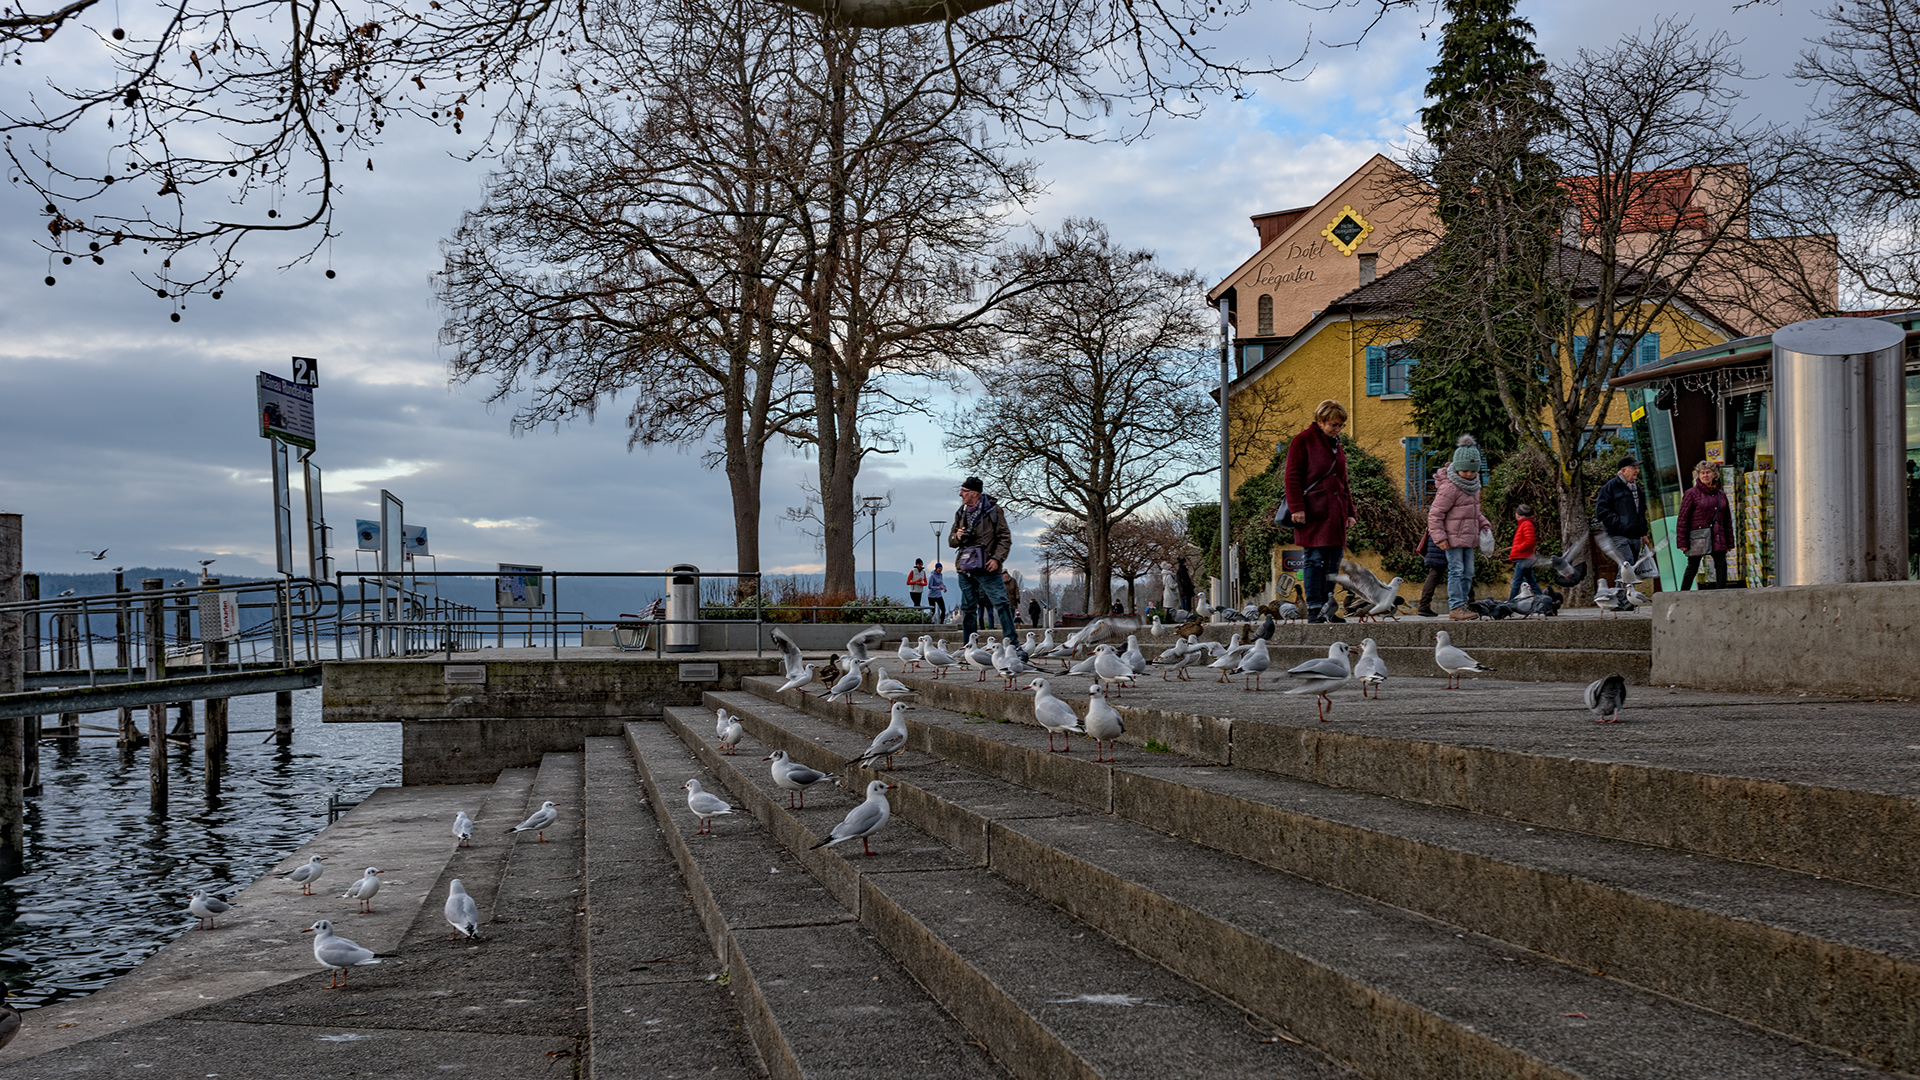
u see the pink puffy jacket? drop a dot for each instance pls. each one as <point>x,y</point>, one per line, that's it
<point>1454,519</point>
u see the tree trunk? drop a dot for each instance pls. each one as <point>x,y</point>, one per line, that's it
<point>1099,565</point>
<point>1576,543</point>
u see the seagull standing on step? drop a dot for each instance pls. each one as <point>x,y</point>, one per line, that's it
<point>306,874</point>
<point>1229,659</point>
<point>462,913</point>
<point>793,777</point>
<point>364,890</point>
<point>886,686</point>
<point>863,820</point>
<point>204,907</point>
<point>1052,713</point>
<point>1136,660</point>
<point>336,952</point>
<point>1453,661</point>
<point>909,656</point>
<point>1605,697</point>
<point>848,682</point>
<point>539,821</point>
<point>1323,676</point>
<point>705,805</point>
<point>1110,667</point>
<point>978,658</point>
<point>731,734</point>
<point>462,828</point>
<point>889,742</point>
<point>1256,661</point>
<point>1370,669</point>
<point>936,655</point>
<point>1103,723</point>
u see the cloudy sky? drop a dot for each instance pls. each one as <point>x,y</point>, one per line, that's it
<point>121,429</point>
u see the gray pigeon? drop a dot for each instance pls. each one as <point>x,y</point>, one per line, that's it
<point>1605,696</point>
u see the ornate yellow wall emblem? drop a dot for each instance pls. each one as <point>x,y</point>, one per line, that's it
<point>1346,230</point>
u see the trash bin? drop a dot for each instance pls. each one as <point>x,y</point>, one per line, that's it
<point>683,602</point>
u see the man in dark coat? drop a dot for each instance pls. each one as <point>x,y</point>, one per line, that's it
<point>980,533</point>
<point>1320,502</point>
<point>1183,583</point>
<point>1621,508</point>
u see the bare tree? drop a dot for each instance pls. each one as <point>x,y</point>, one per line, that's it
<point>1094,401</point>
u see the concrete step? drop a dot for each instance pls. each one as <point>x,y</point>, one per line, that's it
<point>1045,992</point>
<point>1748,778</point>
<point>820,997</point>
<point>1755,944</point>
<point>656,1005</point>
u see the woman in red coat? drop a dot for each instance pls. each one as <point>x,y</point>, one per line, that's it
<point>1705,506</point>
<point>1320,502</point>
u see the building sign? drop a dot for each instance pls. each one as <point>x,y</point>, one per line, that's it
<point>285,410</point>
<point>1346,230</point>
<point>413,539</point>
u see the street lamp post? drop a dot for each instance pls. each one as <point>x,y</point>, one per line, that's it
<point>871,506</point>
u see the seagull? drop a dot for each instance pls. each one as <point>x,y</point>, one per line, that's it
<point>705,805</point>
<point>1103,723</point>
<point>977,658</point>
<point>798,680</point>
<point>731,735</point>
<point>462,913</point>
<point>1188,657</point>
<point>892,689</point>
<point>1053,714</point>
<point>65,592</point>
<point>1629,573</point>
<point>1567,574</point>
<point>306,874</point>
<point>97,555</point>
<point>209,562</point>
<point>891,740</point>
<point>1256,661</point>
<point>1204,610</point>
<point>1452,660</point>
<point>205,907</point>
<point>462,828</point>
<point>1158,627</point>
<point>799,673</point>
<point>909,656</point>
<point>336,952</point>
<point>539,821</point>
<point>1605,696</point>
<point>720,723</point>
<point>857,645</point>
<point>848,683</point>
<point>1379,598</point>
<point>1370,669</point>
<point>1084,667</point>
<point>1229,659</point>
<point>936,654</point>
<point>794,777</point>
<point>1109,667</point>
<point>1107,630</point>
<point>863,820</point>
<point>364,889</point>
<point>1133,656</point>
<point>1323,676</point>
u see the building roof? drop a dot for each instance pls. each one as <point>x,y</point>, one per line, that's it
<point>1747,350</point>
<point>1396,290</point>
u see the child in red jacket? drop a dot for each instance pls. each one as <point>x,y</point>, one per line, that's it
<point>1522,555</point>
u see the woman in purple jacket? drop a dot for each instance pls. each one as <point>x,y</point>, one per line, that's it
<point>1705,506</point>
<point>1319,502</point>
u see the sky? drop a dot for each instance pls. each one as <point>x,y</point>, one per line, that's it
<point>122,430</point>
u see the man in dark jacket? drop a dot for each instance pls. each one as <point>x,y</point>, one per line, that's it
<point>1621,508</point>
<point>980,533</point>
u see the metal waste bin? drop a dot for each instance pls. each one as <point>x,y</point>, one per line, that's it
<point>683,602</point>
<point>1839,447</point>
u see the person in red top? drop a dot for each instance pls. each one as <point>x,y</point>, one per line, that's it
<point>1319,502</point>
<point>1525,540</point>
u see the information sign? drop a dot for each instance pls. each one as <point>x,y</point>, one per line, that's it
<point>519,587</point>
<point>285,410</point>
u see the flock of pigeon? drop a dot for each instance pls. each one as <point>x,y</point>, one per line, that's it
<point>337,953</point>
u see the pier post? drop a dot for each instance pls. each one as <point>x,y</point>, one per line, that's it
<point>130,736</point>
<point>183,636</point>
<point>66,657</point>
<point>156,714</point>
<point>13,835</point>
<point>216,710</point>
<point>30,661</point>
<point>283,717</point>
<point>283,652</point>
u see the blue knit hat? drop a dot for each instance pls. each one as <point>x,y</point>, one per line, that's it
<point>1467,458</point>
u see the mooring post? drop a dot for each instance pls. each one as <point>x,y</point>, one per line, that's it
<point>216,707</point>
<point>66,657</point>
<point>13,833</point>
<point>183,636</point>
<point>130,736</point>
<point>30,658</point>
<point>283,652</point>
<point>156,714</point>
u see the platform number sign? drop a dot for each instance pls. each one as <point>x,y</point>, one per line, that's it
<point>306,371</point>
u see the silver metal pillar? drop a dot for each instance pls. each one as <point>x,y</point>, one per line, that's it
<point>683,602</point>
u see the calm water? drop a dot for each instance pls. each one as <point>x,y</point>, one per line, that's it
<point>107,881</point>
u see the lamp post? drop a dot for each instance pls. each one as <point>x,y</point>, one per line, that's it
<point>871,506</point>
<point>936,548</point>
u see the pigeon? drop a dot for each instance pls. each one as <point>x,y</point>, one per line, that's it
<point>848,683</point>
<point>337,953</point>
<point>1133,656</point>
<point>705,806</point>
<point>1253,663</point>
<point>462,828</point>
<point>539,821</point>
<point>364,889</point>
<point>1103,723</point>
<point>1604,698</point>
<point>1265,633</point>
<point>857,645</point>
<point>794,777</point>
<point>892,689</point>
<point>936,655</point>
<point>306,874</point>
<point>1052,713</point>
<point>1452,660</point>
<point>731,734</point>
<point>1110,667</point>
<point>1531,603</point>
<point>909,656</point>
<point>1567,574</point>
<point>1323,676</point>
<point>462,913</point>
<point>205,906</point>
<point>1289,612</point>
<point>864,820</point>
<point>890,741</point>
<point>1370,669</point>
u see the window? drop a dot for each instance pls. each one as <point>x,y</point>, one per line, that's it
<point>1388,367</point>
<point>1251,356</point>
<point>1415,469</point>
<point>1266,315</point>
<point>1369,268</point>
<point>1645,351</point>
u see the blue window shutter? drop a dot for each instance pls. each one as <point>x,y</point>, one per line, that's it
<point>1648,351</point>
<point>1579,349</point>
<point>1415,467</point>
<point>1376,369</point>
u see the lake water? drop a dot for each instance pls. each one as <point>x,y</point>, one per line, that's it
<point>107,880</point>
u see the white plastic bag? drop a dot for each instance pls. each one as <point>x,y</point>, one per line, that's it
<point>1486,541</point>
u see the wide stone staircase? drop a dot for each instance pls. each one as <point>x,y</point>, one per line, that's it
<point>1211,904</point>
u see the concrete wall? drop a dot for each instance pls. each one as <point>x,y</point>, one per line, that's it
<point>811,637</point>
<point>1853,639</point>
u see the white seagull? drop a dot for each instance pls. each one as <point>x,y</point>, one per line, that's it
<point>306,874</point>
<point>337,953</point>
<point>364,889</point>
<point>798,672</point>
<point>705,805</point>
<point>1052,713</point>
<point>1110,667</point>
<point>1323,676</point>
<point>794,777</point>
<point>848,682</point>
<point>205,907</point>
<point>1370,669</point>
<point>890,741</point>
<point>909,656</point>
<point>863,820</point>
<point>857,645</point>
<point>1452,660</point>
<point>462,827</point>
<point>731,734</point>
<point>1103,723</point>
<point>1256,661</point>
<point>462,913</point>
<point>1135,659</point>
<point>935,653</point>
<point>539,821</point>
<point>892,689</point>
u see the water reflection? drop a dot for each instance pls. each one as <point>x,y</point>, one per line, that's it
<point>107,880</point>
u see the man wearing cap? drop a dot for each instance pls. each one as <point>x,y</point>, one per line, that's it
<point>1621,507</point>
<point>983,540</point>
